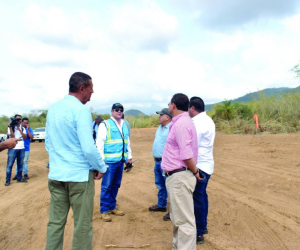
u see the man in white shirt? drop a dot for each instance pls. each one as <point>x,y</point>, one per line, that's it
<point>113,144</point>
<point>15,130</point>
<point>205,135</point>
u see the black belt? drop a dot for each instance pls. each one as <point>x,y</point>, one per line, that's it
<point>157,159</point>
<point>175,171</point>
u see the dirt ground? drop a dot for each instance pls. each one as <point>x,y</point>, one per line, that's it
<point>253,196</point>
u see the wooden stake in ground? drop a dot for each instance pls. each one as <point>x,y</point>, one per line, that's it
<point>130,246</point>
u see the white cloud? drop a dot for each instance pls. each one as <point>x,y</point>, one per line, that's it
<point>143,25</point>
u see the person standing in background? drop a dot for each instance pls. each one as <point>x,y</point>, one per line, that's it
<point>27,141</point>
<point>161,135</point>
<point>205,162</point>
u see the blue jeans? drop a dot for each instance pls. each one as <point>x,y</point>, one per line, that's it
<point>201,204</point>
<point>14,154</point>
<point>25,164</point>
<point>110,185</point>
<point>160,182</point>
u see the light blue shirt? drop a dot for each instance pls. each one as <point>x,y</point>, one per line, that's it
<point>69,142</point>
<point>160,140</point>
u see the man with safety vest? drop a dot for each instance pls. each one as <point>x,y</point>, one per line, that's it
<point>113,144</point>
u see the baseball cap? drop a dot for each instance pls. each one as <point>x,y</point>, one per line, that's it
<point>164,111</point>
<point>117,106</point>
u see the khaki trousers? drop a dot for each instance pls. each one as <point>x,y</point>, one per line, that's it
<point>80,196</point>
<point>180,188</point>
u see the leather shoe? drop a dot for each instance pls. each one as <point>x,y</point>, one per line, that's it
<point>26,177</point>
<point>21,180</point>
<point>155,208</point>
<point>15,178</point>
<point>200,240</point>
<point>117,212</point>
<point>7,183</point>
<point>106,217</point>
<point>167,217</point>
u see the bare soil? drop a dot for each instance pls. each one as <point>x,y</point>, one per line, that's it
<point>253,194</point>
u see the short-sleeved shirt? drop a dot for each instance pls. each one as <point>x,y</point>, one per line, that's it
<point>27,140</point>
<point>160,140</point>
<point>18,135</point>
<point>181,143</point>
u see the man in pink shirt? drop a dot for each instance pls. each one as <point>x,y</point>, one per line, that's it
<point>179,164</point>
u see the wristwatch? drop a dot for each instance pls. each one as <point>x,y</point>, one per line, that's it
<point>196,171</point>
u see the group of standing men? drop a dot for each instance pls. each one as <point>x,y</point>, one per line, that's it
<point>23,133</point>
<point>76,159</point>
<point>183,155</point>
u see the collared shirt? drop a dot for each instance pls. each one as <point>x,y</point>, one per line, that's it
<point>70,143</point>
<point>181,143</point>
<point>27,140</point>
<point>205,135</point>
<point>160,140</point>
<point>18,135</point>
<point>101,138</point>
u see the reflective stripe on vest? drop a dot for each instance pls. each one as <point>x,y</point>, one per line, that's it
<point>114,145</point>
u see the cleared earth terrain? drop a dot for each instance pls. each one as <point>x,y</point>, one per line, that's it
<point>253,194</point>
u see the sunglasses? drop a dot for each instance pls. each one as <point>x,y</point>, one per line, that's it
<point>119,110</point>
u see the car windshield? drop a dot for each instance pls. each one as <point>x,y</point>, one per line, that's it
<point>39,130</point>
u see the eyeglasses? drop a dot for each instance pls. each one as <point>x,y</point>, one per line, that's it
<point>119,110</point>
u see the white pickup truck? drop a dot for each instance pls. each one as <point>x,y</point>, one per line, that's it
<point>3,137</point>
<point>39,134</point>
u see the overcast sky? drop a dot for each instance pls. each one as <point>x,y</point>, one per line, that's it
<point>141,52</point>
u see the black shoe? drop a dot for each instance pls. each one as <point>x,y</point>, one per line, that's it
<point>7,183</point>
<point>155,208</point>
<point>167,217</point>
<point>205,231</point>
<point>15,178</point>
<point>200,240</point>
<point>26,177</point>
<point>21,180</point>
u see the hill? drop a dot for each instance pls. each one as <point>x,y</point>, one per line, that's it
<point>133,112</point>
<point>254,95</point>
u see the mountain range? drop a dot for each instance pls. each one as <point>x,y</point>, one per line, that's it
<point>246,98</point>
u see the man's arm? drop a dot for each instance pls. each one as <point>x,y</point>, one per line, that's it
<point>101,138</point>
<point>191,164</point>
<point>29,133</point>
<point>129,152</point>
<point>22,133</point>
<point>85,137</point>
<point>9,143</point>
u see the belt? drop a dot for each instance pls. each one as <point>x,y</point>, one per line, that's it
<point>157,159</point>
<point>175,171</point>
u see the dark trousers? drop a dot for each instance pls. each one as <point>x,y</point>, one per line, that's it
<point>110,185</point>
<point>201,204</point>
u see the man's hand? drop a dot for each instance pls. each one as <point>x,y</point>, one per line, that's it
<point>198,177</point>
<point>129,160</point>
<point>98,175</point>
<point>8,124</point>
<point>9,143</point>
